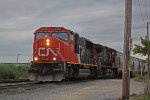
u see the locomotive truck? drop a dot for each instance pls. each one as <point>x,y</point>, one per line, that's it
<point>61,54</point>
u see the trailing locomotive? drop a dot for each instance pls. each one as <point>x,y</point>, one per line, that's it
<point>61,54</point>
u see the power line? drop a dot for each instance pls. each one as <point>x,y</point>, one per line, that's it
<point>143,16</point>
<point>140,10</point>
<point>146,10</point>
<point>149,1</point>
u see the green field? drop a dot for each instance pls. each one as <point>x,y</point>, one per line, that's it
<point>13,71</point>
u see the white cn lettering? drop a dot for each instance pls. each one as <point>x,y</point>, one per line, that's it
<point>48,50</point>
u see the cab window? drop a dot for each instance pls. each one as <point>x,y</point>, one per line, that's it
<point>60,35</point>
<point>41,35</point>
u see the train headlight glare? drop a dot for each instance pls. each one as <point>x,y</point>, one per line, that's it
<point>35,58</point>
<point>54,58</point>
<point>47,43</point>
<point>47,40</point>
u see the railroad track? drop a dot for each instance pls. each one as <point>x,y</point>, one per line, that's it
<point>15,86</point>
<point>13,80</point>
<point>29,85</point>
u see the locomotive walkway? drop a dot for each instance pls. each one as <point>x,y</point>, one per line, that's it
<point>102,89</point>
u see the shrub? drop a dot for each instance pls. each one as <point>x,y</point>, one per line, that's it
<point>139,78</point>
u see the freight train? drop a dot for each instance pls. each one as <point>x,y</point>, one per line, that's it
<point>61,54</point>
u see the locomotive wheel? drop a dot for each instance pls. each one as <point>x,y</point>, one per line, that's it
<point>69,73</point>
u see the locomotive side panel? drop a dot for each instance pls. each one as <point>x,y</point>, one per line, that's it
<point>105,58</point>
<point>86,50</point>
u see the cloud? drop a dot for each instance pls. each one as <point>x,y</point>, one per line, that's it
<point>101,21</point>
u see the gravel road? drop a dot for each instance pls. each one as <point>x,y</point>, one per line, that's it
<point>102,89</point>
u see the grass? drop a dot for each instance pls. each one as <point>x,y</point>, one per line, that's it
<point>10,71</point>
<point>136,98</point>
<point>139,78</point>
<point>145,97</point>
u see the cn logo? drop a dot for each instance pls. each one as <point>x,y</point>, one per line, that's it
<point>47,50</point>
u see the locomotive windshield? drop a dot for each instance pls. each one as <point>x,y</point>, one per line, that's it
<point>41,35</point>
<point>60,35</point>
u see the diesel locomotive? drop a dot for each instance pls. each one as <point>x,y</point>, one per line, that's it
<point>61,54</point>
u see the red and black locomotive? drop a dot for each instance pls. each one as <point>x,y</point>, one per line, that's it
<point>60,54</point>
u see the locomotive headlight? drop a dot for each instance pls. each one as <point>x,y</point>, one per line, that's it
<point>47,40</point>
<point>35,58</point>
<point>54,58</point>
<point>47,43</point>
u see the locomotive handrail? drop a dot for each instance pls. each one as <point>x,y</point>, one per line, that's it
<point>61,56</point>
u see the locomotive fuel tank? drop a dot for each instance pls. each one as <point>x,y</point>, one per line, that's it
<point>84,73</point>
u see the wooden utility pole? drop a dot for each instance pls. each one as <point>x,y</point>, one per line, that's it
<point>148,50</point>
<point>148,86</point>
<point>18,57</point>
<point>126,53</point>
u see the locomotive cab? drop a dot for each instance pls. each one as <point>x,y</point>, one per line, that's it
<point>54,45</point>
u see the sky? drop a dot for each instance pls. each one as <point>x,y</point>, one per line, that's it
<point>101,21</point>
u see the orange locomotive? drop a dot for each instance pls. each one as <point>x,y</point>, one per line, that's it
<point>60,54</point>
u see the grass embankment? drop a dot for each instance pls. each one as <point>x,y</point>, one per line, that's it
<point>10,71</point>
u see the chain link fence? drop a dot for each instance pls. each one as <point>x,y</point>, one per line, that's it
<point>144,92</point>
